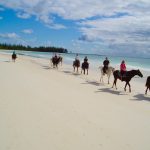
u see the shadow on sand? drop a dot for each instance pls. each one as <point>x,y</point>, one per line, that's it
<point>141,97</point>
<point>110,90</point>
<point>95,83</point>
<point>71,73</point>
<point>46,67</point>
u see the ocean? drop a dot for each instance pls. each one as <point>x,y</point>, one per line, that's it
<point>94,60</point>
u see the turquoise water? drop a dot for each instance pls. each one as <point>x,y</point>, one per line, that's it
<point>94,60</point>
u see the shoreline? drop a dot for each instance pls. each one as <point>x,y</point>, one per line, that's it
<point>94,62</point>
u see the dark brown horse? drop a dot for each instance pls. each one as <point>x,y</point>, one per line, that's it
<point>55,61</point>
<point>147,84</point>
<point>85,66</point>
<point>76,64</point>
<point>127,77</point>
<point>14,56</point>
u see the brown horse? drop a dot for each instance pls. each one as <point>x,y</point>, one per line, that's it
<point>147,84</point>
<point>127,77</point>
<point>76,64</point>
<point>55,61</point>
<point>14,56</point>
<point>85,66</point>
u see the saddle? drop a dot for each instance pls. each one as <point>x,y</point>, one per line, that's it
<point>76,63</point>
<point>120,75</point>
<point>85,65</point>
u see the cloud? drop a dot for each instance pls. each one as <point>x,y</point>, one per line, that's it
<point>1,18</point>
<point>27,31</point>
<point>23,15</point>
<point>117,24</point>
<point>9,35</point>
<point>12,38</point>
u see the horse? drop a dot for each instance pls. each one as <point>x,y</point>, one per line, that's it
<point>14,56</point>
<point>60,60</point>
<point>76,64</point>
<point>108,72</point>
<point>127,77</point>
<point>147,84</point>
<point>85,66</point>
<point>55,61</point>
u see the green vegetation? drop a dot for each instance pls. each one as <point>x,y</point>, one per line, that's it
<point>29,48</point>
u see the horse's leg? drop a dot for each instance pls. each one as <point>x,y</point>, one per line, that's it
<point>115,81</point>
<point>100,78</point>
<point>56,65</point>
<point>125,86</point>
<point>146,91</point>
<point>129,87</point>
<point>84,70</point>
<point>77,69</point>
<point>108,78</point>
<point>87,71</point>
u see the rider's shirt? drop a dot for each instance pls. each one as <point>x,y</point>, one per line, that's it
<point>123,67</point>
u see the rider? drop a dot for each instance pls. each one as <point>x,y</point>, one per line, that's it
<point>85,59</point>
<point>122,68</point>
<point>105,63</point>
<point>14,56</point>
<point>77,57</point>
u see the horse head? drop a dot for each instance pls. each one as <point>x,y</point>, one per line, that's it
<point>139,73</point>
<point>113,69</point>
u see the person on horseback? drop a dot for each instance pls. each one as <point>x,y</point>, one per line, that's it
<point>85,59</point>
<point>122,69</point>
<point>105,63</point>
<point>76,63</point>
<point>85,65</point>
<point>14,56</point>
<point>77,57</point>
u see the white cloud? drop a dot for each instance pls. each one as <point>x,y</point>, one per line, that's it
<point>27,31</point>
<point>9,35</point>
<point>12,38</point>
<point>118,24</point>
<point>23,15</point>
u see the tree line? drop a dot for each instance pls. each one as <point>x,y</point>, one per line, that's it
<point>29,48</point>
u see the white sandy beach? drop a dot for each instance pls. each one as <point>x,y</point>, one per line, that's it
<point>42,108</point>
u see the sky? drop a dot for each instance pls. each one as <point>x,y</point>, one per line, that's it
<point>106,27</point>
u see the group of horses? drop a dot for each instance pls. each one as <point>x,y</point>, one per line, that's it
<point>84,66</point>
<point>110,70</point>
<point>116,73</point>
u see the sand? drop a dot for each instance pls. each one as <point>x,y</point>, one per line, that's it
<point>42,108</point>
